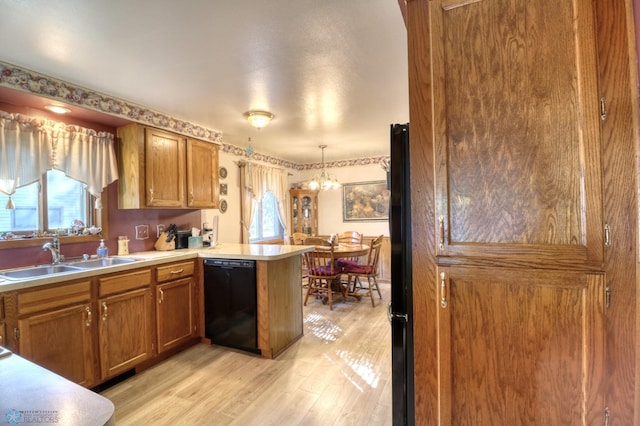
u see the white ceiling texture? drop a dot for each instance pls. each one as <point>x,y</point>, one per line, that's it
<point>332,72</point>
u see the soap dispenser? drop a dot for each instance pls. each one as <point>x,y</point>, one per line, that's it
<point>103,251</point>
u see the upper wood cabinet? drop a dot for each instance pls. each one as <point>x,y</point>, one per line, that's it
<point>202,174</point>
<point>160,169</point>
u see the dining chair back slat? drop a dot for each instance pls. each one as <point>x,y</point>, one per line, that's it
<point>369,270</point>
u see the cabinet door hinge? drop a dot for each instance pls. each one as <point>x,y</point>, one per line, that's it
<point>16,333</point>
<point>606,416</point>
<point>607,296</point>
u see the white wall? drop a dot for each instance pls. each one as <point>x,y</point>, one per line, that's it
<point>330,216</point>
<point>229,229</point>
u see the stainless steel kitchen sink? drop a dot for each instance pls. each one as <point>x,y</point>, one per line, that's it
<point>38,271</point>
<point>100,263</point>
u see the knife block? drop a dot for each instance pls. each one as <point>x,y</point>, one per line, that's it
<point>162,244</point>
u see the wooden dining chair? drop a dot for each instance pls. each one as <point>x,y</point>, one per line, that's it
<point>323,274</point>
<point>297,238</point>
<point>350,237</point>
<point>369,271</point>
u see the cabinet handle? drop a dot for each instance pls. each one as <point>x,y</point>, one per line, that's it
<point>191,198</point>
<point>441,220</point>
<point>88,322</point>
<point>150,196</point>
<point>443,290</point>
<point>104,311</point>
<point>161,296</point>
<point>179,271</point>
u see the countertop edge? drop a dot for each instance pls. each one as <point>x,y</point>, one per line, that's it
<point>152,258</point>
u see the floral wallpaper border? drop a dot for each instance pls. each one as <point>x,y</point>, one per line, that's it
<point>39,84</point>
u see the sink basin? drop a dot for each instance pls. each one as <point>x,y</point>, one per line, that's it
<point>38,271</point>
<point>100,263</point>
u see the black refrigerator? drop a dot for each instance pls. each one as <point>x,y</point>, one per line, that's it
<point>401,305</point>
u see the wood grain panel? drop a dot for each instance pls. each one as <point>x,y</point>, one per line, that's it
<point>123,282</point>
<point>125,332</point>
<point>522,348</point>
<point>202,174</point>
<point>61,341</point>
<point>31,301</point>
<point>618,85</point>
<point>175,317</point>
<point>174,271</point>
<point>165,169</point>
<point>131,167</point>
<point>279,304</point>
<point>518,150</point>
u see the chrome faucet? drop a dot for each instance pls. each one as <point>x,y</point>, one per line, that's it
<point>54,247</point>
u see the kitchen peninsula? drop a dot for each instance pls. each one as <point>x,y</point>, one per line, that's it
<point>146,309</point>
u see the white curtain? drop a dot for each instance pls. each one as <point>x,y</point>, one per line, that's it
<point>257,181</point>
<point>31,146</point>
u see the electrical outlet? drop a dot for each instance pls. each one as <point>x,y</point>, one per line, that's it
<point>142,232</point>
<point>159,230</point>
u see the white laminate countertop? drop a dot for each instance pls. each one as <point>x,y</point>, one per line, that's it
<point>31,394</point>
<point>267,252</point>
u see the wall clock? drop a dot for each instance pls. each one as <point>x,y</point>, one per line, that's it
<point>223,206</point>
<point>223,172</point>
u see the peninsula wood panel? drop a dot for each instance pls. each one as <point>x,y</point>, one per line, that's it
<point>279,293</point>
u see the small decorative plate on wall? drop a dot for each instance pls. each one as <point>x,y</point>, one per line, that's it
<point>223,206</point>
<point>223,172</point>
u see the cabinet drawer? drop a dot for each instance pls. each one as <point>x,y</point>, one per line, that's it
<point>48,298</point>
<point>123,282</point>
<point>174,271</point>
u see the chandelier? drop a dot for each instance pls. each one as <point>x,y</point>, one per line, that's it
<point>324,181</point>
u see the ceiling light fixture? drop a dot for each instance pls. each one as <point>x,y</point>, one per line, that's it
<point>258,119</point>
<point>58,109</point>
<point>324,181</point>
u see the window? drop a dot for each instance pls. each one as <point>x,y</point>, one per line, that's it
<point>266,223</point>
<point>63,200</point>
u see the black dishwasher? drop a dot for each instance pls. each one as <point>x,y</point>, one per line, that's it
<point>230,303</point>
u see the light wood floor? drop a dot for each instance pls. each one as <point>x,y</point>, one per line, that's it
<point>339,373</point>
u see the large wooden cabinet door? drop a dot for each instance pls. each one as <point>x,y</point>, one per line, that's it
<point>507,174</point>
<point>165,168</point>
<point>125,331</point>
<point>516,131</point>
<point>61,341</point>
<point>520,348</point>
<point>202,174</point>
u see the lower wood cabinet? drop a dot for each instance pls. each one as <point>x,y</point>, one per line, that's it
<point>175,313</point>
<point>94,329</point>
<point>125,331</point>
<point>61,341</point>
<point>54,330</point>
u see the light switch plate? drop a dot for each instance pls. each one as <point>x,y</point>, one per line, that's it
<point>142,232</point>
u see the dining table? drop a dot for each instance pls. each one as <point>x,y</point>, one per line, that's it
<point>346,250</point>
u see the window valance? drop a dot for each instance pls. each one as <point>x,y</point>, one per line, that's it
<point>30,146</point>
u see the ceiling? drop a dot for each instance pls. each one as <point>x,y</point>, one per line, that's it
<point>332,72</point>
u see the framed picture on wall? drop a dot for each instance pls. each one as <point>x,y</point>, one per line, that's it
<point>365,201</point>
